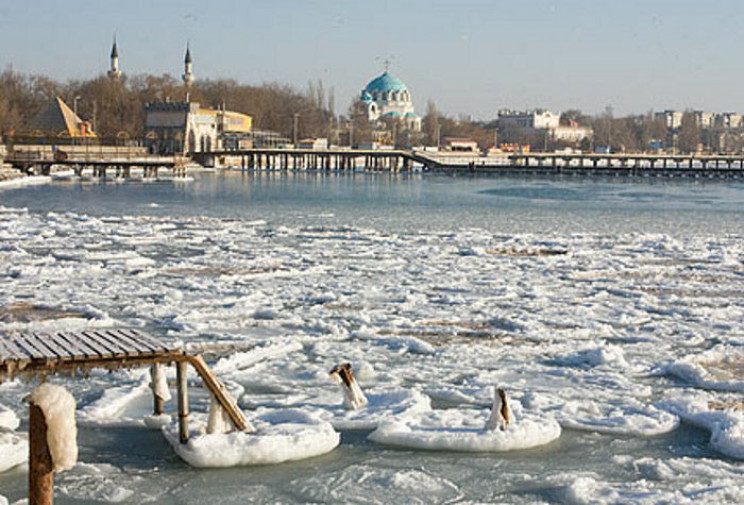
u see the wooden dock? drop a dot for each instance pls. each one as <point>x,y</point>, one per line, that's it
<point>41,163</point>
<point>41,354</point>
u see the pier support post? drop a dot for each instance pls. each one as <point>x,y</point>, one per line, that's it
<point>40,468</point>
<point>183,402</point>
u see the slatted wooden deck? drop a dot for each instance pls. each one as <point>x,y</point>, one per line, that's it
<point>47,353</point>
<point>24,353</point>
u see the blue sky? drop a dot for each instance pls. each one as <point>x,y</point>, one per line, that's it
<point>470,57</point>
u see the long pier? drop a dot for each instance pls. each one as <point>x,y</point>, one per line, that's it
<point>393,160</point>
<point>398,160</point>
<point>312,159</point>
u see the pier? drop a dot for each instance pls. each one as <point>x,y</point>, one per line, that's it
<point>119,163</point>
<point>393,160</point>
<point>399,160</point>
<point>122,164</point>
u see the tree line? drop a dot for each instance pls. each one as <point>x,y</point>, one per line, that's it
<point>115,107</point>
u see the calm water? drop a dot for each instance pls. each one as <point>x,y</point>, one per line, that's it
<point>398,256</point>
<point>414,203</point>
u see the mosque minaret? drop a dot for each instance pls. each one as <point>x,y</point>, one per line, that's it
<point>188,73</point>
<point>114,72</point>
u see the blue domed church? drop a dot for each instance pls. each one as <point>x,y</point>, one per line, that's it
<point>387,96</point>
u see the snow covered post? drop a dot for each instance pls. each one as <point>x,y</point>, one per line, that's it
<point>183,401</point>
<point>52,440</point>
<point>353,396</point>
<point>159,385</point>
<point>501,414</point>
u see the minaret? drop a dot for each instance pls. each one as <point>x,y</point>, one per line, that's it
<point>114,73</point>
<point>188,75</point>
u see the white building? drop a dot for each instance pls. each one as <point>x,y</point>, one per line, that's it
<point>728,120</point>
<point>538,119</point>
<point>543,121</point>
<point>671,118</point>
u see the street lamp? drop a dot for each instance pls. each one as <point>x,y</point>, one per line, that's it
<point>294,131</point>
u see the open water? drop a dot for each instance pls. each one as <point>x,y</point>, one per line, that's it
<point>613,305</point>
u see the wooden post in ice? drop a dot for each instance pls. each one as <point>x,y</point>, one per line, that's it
<point>40,467</point>
<point>183,402</point>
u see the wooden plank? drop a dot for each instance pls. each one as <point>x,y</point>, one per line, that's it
<point>100,347</point>
<point>72,350</point>
<point>48,343</point>
<point>114,344</point>
<point>22,342</point>
<point>78,350</point>
<point>154,344</point>
<point>80,343</point>
<point>131,342</point>
<point>220,393</point>
<point>13,351</point>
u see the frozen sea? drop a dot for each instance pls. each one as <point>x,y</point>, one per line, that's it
<point>614,306</point>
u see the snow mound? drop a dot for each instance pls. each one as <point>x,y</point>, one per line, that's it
<point>620,417</point>
<point>8,418</point>
<point>720,368</point>
<point>280,436</point>
<point>462,430</point>
<point>382,405</point>
<point>726,425</point>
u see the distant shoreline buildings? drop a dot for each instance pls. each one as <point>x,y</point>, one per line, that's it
<point>388,117</point>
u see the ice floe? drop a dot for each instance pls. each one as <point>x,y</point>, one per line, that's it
<point>723,417</point>
<point>281,435</point>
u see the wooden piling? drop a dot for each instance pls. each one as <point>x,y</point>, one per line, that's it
<point>183,401</point>
<point>40,467</point>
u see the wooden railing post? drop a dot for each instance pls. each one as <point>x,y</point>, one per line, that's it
<point>183,401</point>
<point>40,467</point>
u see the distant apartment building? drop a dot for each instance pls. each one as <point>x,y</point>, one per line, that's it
<point>704,119</point>
<point>671,118</point>
<point>728,121</point>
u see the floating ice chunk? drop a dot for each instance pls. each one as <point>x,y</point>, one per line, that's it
<point>404,344</point>
<point>726,423</point>
<point>123,405</point>
<point>280,436</point>
<point>241,360</point>
<point>13,449</point>
<point>462,430</point>
<point>621,417</point>
<point>98,483</point>
<point>600,355</point>
<point>361,411</point>
<point>156,422</point>
<point>720,368</point>
<point>8,418</point>
<point>58,406</point>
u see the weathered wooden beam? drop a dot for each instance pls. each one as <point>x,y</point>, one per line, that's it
<point>219,391</point>
<point>183,401</point>
<point>40,467</point>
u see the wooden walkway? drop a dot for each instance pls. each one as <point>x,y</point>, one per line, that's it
<point>30,353</point>
<point>40,354</point>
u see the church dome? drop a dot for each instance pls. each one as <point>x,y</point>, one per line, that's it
<point>385,82</point>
